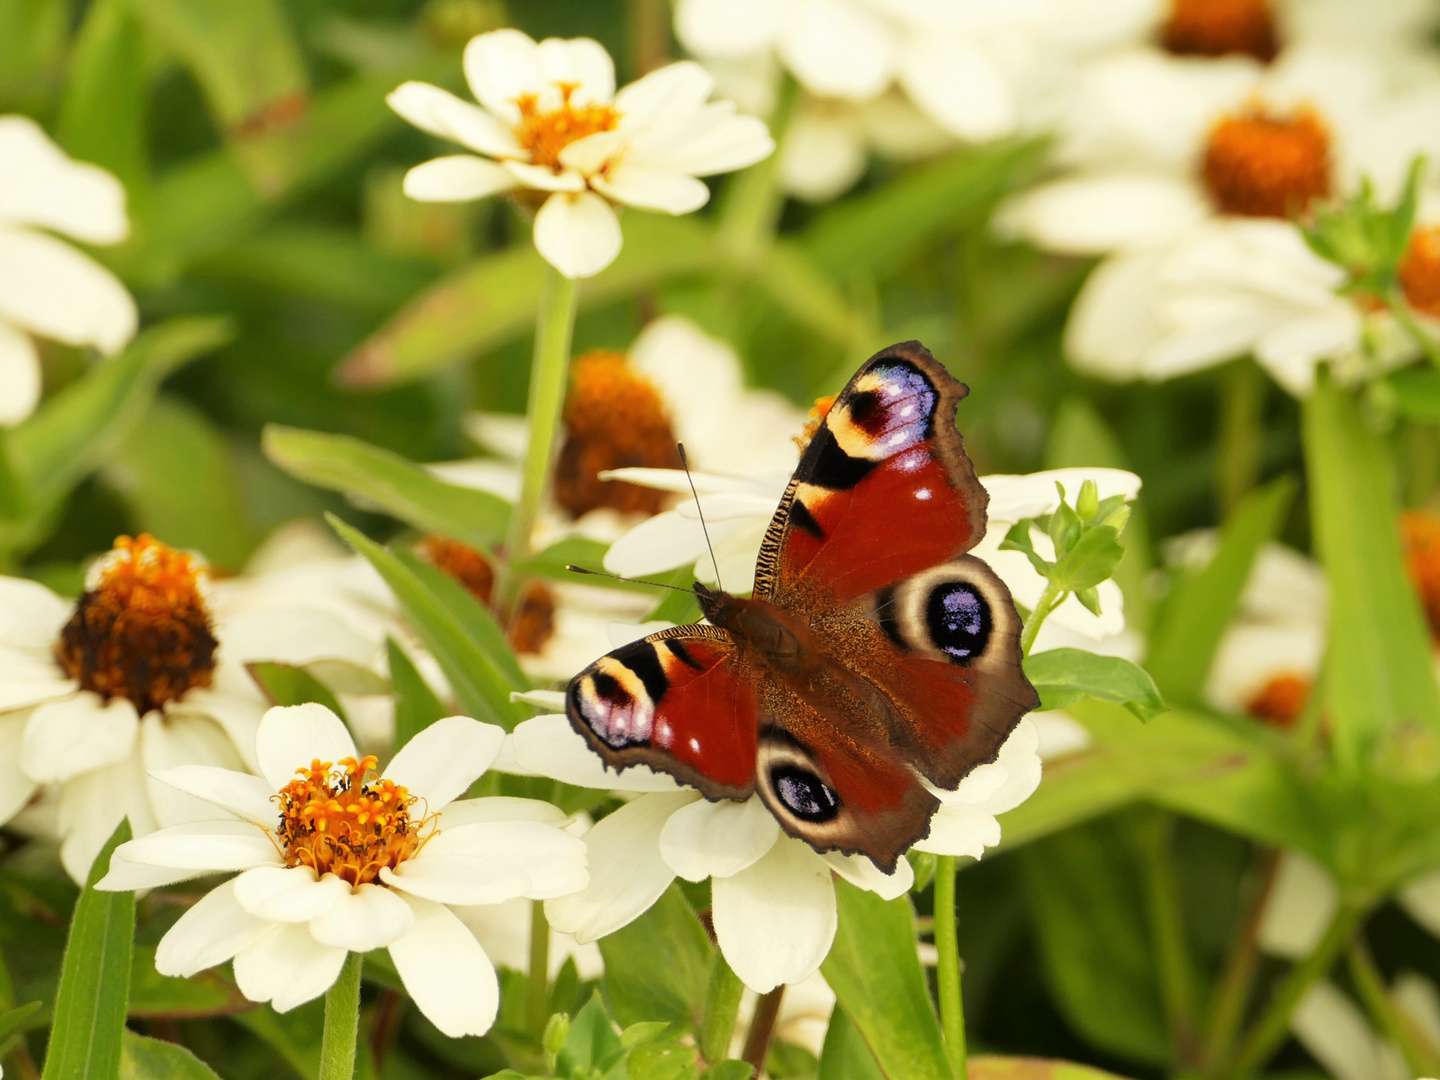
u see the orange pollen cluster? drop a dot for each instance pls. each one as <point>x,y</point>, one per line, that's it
<point>614,419</point>
<point>1420,271</point>
<point>1221,28</point>
<point>142,630</point>
<point>336,818</point>
<point>545,134</point>
<point>1421,534</point>
<point>1260,164</point>
<point>818,412</point>
<point>1280,701</point>
<point>533,623</point>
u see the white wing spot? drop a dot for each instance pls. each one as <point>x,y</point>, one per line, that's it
<point>922,494</point>
<point>695,745</point>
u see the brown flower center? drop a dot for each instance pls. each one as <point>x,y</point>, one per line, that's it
<point>545,134</point>
<point>1420,271</point>
<point>818,412</point>
<point>1280,701</point>
<point>614,419</point>
<point>1221,28</point>
<point>533,623</point>
<point>141,630</point>
<point>337,818</point>
<point>1262,164</point>
<point>1421,533</point>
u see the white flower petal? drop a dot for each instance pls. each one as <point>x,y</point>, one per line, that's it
<point>1015,497</point>
<point>577,234</point>
<point>488,862</point>
<point>667,95</point>
<point>627,872</point>
<point>837,49</point>
<point>289,894</point>
<point>234,702</point>
<point>1334,1030</point>
<point>31,616</point>
<point>500,66</point>
<point>293,635</point>
<point>659,543</point>
<point>167,741</point>
<point>1114,323</point>
<point>458,178</point>
<point>287,967</point>
<point>15,787</point>
<point>40,185</point>
<point>1093,215</point>
<point>49,288</point>
<point>1421,901</point>
<point>775,920</point>
<point>210,933</point>
<point>93,804</point>
<point>960,87</point>
<point>864,874</point>
<point>823,156</point>
<point>442,113</point>
<point>957,829</point>
<point>579,62</point>
<point>544,178</point>
<point>369,917</point>
<point>126,876</point>
<point>19,375</point>
<point>441,762</point>
<point>550,746</point>
<point>206,845</point>
<point>1302,902</point>
<point>446,972</point>
<point>727,28</point>
<point>719,141</point>
<point>652,189</point>
<point>719,838</point>
<point>246,796</point>
<point>501,808</point>
<point>292,736</point>
<point>74,735</point>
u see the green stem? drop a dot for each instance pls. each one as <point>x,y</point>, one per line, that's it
<point>538,987</point>
<point>342,1022</point>
<point>1050,599</point>
<point>1422,1058</point>
<point>753,201</point>
<point>548,370</point>
<point>12,489</point>
<point>1241,435</point>
<point>947,968</point>
<point>1236,984</point>
<point>1401,311</point>
<point>722,1006</point>
<point>762,1029</point>
<point>1153,833</point>
<point>1270,1031</point>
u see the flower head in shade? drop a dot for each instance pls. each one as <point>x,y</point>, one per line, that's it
<point>334,858</point>
<point>47,288</point>
<point>772,896</point>
<point>145,671</point>
<point>551,129</point>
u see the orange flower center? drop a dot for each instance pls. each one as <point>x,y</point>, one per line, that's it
<point>614,419</point>
<point>1280,701</point>
<point>818,412</point>
<point>1221,28</point>
<point>533,623</point>
<point>1420,271</point>
<point>1421,534</point>
<point>338,818</point>
<point>545,134</point>
<point>1261,164</point>
<point>142,629</point>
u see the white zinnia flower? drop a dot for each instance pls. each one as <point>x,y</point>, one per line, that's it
<point>314,886</point>
<point>772,896</point>
<point>145,672</point>
<point>551,124</point>
<point>47,287</point>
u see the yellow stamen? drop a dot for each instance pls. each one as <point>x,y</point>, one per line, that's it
<point>1263,164</point>
<point>1280,701</point>
<point>1221,28</point>
<point>545,134</point>
<point>818,412</point>
<point>1421,533</point>
<point>1420,271</point>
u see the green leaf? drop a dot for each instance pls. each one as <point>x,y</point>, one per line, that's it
<point>1083,889</point>
<point>494,300</point>
<point>89,1015</point>
<point>1063,676</point>
<point>416,706</point>
<point>664,1061</point>
<point>593,1043</point>
<point>377,479</point>
<point>1416,392</point>
<point>1381,696</point>
<point>102,114</point>
<point>14,1021</point>
<point>178,476</point>
<point>875,972</point>
<point>729,1070</point>
<point>156,996</point>
<point>286,684</point>
<point>1017,538</point>
<point>1027,1068</point>
<point>1091,560</point>
<point>1193,617</point>
<point>658,967</point>
<point>153,1059</point>
<point>482,689</point>
<point>12,489</point>
<point>789,279</point>
<point>845,1055</point>
<point>577,551</point>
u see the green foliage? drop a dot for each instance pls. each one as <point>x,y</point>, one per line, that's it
<point>416,706</point>
<point>1063,676</point>
<point>658,967</point>
<point>1366,239</point>
<point>152,1059</point>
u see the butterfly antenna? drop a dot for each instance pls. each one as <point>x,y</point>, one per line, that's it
<point>713,561</point>
<point>616,577</point>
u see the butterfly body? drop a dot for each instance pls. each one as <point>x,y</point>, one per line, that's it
<point>875,660</point>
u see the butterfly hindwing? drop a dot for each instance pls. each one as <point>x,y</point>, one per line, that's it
<point>681,701</point>
<point>883,491</point>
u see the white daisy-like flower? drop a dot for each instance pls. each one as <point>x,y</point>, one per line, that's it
<point>47,287</point>
<point>146,671</point>
<point>551,128</point>
<point>737,511</point>
<point>772,896</point>
<point>333,859</point>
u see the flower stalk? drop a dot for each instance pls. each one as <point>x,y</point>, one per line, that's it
<point>342,1022</point>
<point>752,206</point>
<point>722,1006</point>
<point>554,325</point>
<point>947,969</point>
<point>1049,600</point>
<point>1421,1056</point>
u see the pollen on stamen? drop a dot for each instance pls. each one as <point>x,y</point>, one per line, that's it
<point>533,622</point>
<point>338,818</point>
<point>1280,701</point>
<point>142,629</point>
<point>1420,271</point>
<point>818,412</point>
<point>1420,531</point>
<point>545,133</point>
<point>1221,28</point>
<point>1259,163</point>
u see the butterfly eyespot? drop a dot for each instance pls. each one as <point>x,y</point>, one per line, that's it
<point>958,619</point>
<point>804,794</point>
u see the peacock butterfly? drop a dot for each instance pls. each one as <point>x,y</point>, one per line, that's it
<point>873,653</point>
